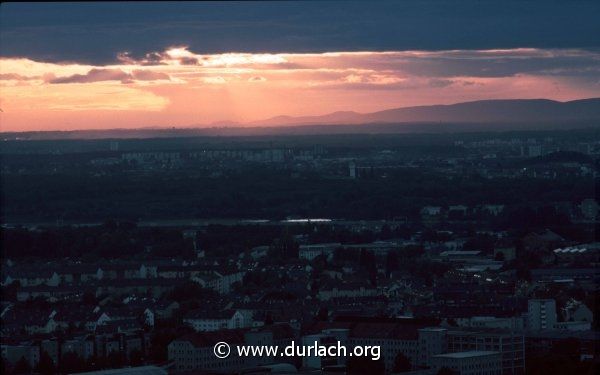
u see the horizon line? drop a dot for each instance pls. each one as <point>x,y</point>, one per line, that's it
<point>256,124</point>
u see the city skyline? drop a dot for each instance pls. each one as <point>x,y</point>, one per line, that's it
<point>300,187</point>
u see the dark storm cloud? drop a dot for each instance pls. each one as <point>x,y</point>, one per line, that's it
<point>96,33</point>
<point>495,63</point>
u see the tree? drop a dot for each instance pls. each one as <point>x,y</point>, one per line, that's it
<point>95,363</point>
<point>161,339</point>
<point>365,365</point>
<point>115,359</point>
<point>9,292</point>
<point>136,358</point>
<point>319,263</point>
<point>401,363</point>
<point>323,314</point>
<point>369,263</point>
<point>386,232</point>
<point>46,364</point>
<point>190,291</point>
<point>484,243</point>
<point>391,263</point>
<point>22,367</point>
<point>269,319</point>
<point>452,322</point>
<point>71,362</point>
<point>5,369</point>
<point>363,257</point>
<point>446,371</point>
<point>284,247</point>
<point>89,299</point>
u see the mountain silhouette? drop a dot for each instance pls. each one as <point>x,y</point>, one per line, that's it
<point>482,111</point>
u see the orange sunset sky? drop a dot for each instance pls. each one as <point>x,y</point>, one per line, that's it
<point>66,66</point>
<point>178,87</point>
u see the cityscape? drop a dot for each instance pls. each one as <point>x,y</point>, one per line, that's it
<point>453,236</point>
<point>430,245</point>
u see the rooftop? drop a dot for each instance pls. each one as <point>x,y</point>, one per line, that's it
<point>469,354</point>
<point>130,370</point>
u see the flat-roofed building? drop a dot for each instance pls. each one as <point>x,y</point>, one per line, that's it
<point>541,314</point>
<point>510,345</point>
<point>310,252</point>
<point>473,362</point>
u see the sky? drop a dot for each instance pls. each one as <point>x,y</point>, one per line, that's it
<point>66,66</point>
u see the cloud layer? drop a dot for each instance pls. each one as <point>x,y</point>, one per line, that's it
<point>178,86</point>
<point>99,75</point>
<point>93,33</point>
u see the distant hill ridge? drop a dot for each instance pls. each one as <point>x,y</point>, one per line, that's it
<point>483,115</point>
<point>482,111</point>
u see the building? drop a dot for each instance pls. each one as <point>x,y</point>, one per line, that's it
<point>534,151</point>
<point>573,326</point>
<point>541,314</point>
<point>591,275</point>
<point>220,283</point>
<point>310,252</point>
<point>583,254</point>
<point>505,253</point>
<point>82,346</point>
<point>410,337</point>
<point>345,290</point>
<point>493,209</point>
<point>589,208</point>
<point>578,312</point>
<point>196,351</point>
<point>510,345</point>
<point>378,248</point>
<point>326,338</point>
<point>352,169</point>
<point>431,215</point>
<point>52,348</point>
<point>493,322</point>
<point>460,256</point>
<point>431,342</point>
<point>13,353</point>
<point>140,370</point>
<point>208,321</point>
<point>470,363</point>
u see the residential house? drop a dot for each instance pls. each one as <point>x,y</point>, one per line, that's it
<point>208,321</point>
